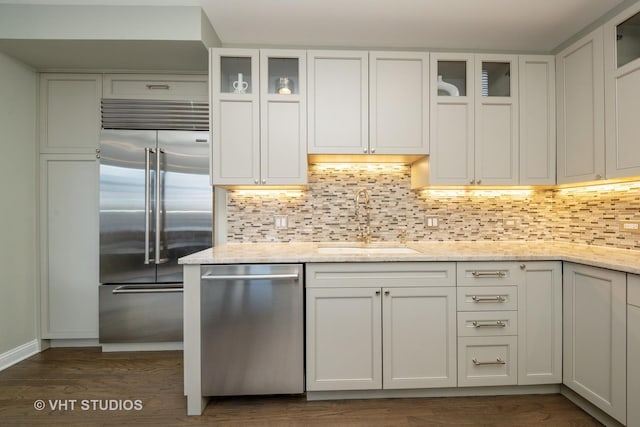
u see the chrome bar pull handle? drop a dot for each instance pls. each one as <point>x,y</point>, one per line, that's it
<point>159,151</point>
<point>250,276</point>
<point>147,201</point>
<point>498,361</point>
<point>488,273</point>
<point>157,86</point>
<point>498,324</point>
<point>135,289</point>
<point>497,298</point>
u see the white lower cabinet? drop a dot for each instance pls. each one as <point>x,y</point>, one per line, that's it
<point>486,361</point>
<point>594,323</point>
<point>633,350</point>
<point>387,336</point>
<point>69,245</point>
<point>419,346</point>
<point>540,324</point>
<point>509,323</point>
<point>343,339</point>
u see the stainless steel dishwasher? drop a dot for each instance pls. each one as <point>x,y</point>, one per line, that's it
<point>252,329</point>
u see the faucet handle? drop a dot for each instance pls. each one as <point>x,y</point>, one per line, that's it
<point>403,235</point>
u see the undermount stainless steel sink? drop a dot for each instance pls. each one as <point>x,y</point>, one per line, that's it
<point>359,249</point>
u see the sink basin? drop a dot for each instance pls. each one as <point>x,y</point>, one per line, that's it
<point>338,249</point>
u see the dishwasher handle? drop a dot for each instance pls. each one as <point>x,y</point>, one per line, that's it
<point>214,277</point>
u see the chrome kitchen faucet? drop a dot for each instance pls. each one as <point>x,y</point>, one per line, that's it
<point>364,233</point>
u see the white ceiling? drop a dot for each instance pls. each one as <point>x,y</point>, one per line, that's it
<point>508,25</point>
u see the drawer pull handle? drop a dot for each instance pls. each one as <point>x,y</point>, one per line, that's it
<point>488,273</point>
<point>498,361</point>
<point>497,298</point>
<point>498,324</point>
<point>153,87</point>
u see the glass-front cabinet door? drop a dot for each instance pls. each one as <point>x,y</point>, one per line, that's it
<point>452,119</point>
<point>283,115</point>
<point>622,93</point>
<point>235,116</point>
<point>496,120</point>
<point>258,120</point>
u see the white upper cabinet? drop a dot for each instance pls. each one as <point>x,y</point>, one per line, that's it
<point>452,119</point>
<point>283,116</point>
<point>622,91</point>
<point>338,102</point>
<point>398,103</point>
<point>478,136</point>
<point>537,120</point>
<point>580,112</point>
<point>368,102</point>
<point>69,101</point>
<point>258,117</point>
<point>496,121</point>
<point>156,86</point>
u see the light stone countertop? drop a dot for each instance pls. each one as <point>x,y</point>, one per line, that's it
<point>256,253</point>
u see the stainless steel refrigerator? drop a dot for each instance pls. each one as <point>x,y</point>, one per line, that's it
<point>155,207</point>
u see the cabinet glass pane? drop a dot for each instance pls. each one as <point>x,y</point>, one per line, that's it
<point>452,78</point>
<point>235,74</point>
<point>495,79</point>
<point>283,76</point>
<point>628,40</point>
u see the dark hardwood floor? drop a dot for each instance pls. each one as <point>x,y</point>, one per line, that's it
<point>117,380</point>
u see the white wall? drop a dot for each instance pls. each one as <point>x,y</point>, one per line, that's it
<point>18,262</point>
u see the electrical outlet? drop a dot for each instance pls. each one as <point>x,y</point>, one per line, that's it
<point>510,222</point>
<point>281,222</point>
<point>630,226</point>
<point>432,222</point>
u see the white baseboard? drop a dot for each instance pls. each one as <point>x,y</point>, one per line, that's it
<point>74,342</point>
<point>147,346</point>
<point>434,392</point>
<point>19,353</point>
<point>589,408</point>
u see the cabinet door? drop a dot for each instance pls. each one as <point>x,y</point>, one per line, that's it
<point>537,120</point>
<point>540,324</point>
<point>399,102</point>
<point>633,376</point>
<point>338,107</point>
<point>622,91</point>
<point>419,338</point>
<point>344,349</point>
<point>452,120</point>
<point>594,323</point>
<point>496,101</point>
<point>69,245</point>
<point>580,101</point>
<point>156,86</point>
<point>235,117</point>
<point>633,350</point>
<point>69,112</point>
<point>283,101</point>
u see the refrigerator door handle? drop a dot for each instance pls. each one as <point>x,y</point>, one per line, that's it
<point>137,289</point>
<point>158,260</point>
<point>147,201</point>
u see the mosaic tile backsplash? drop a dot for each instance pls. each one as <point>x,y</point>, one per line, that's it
<point>326,211</point>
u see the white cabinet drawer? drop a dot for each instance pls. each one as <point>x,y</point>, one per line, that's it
<point>488,298</point>
<point>633,289</point>
<point>384,274</point>
<point>156,86</point>
<point>485,361</point>
<point>487,323</point>
<point>489,273</point>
